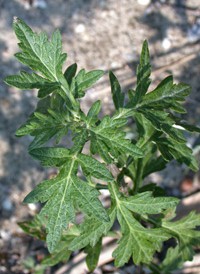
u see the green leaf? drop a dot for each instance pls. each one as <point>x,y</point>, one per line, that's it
<point>95,168</point>
<point>154,165</point>
<point>45,126</point>
<point>83,81</point>
<point>146,203</point>
<point>86,198</point>
<point>172,261</point>
<point>143,74</point>
<point>70,72</point>
<point>180,152</point>
<point>28,81</point>
<point>79,140</point>
<point>108,137</point>
<point>93,255</point>
<point>38,52</point>
<point>92,116</point>
<point>59,208</point>
<point>166,95</point>
<point>145,129</point>
<point>51,156</point>
<point>137,241</point>
<point>91,230</point>
<point>144,56</point>
<point>60,254</point>
<point>60,193</point>
<point>48,89</point>
<point>118,96</point>
<point>185,126</point>
<point>184,231</point>
<point>163,123</point>
<point>44,136</point>
<point>154,188</point>
<point>97,146</point>
<point>34,227</point>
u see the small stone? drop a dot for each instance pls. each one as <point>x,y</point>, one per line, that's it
<point>115,65</point>
<point>80,28</point>
<point>129,57</point>
<point>5,235</point>
<point>7,204</point>
<point>27,5</point>
<point>166,44</point>
<point>3,269</point>
<point>144,2</point>
<point>98,271</point>
<point>193,34</point>
<point>32,207</point>
<point>104,192</point>
<point>41,4</point>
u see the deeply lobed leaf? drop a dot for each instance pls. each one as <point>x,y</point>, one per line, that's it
<point>137,241</point>
<point>107,139</point>
<point>61,194</point>
<point>142,212</point>
<point>84,81</point>
<point>38,52</point>
<point>91,230</point>
<point>184,231</point>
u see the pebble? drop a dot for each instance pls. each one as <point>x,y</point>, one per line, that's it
<point>7,204</point>
<point>41,4</point>
<point>166,44</point>
<point>129,57</point>
<point>108,268</point>
<point>144,2</point>
<point>80,28</point>
<point>32,207</point>
<point>193,34</point>
<point>98,271</point>
<point>5,235</point>
<point>115,65</point>
<point>104,193</point>
<point>3,269</point>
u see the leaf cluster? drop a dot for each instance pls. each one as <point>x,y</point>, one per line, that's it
<point>144,213</point>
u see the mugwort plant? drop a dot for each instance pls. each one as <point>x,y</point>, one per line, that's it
<point>144,213</point>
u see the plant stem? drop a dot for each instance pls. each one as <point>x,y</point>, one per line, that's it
<point>100,186</point>
<point>154,268</point>
<point>138,177</point>
<point>65,87</point>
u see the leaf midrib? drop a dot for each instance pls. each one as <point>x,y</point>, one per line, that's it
<point>116,144</point>
<point>147,203</point>
<point>52,74</point>
<point>129,226</point>
<point>28,40</point>
<point>163,97</point>
<point>85,198</point>
<point>66,187</point>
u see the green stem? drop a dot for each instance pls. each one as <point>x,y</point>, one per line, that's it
<point>139,167</point>
<point>154,268</point>
<point>66,89</point>
<point>138,177</point>
<point>150,220</point>
<point>100,186</point>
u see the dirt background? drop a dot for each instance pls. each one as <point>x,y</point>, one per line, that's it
<point>104,34</point>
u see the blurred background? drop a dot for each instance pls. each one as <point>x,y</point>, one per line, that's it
<point>103,34</point>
